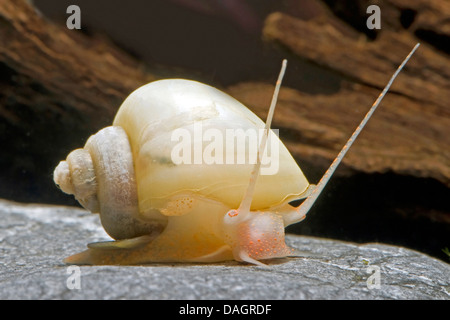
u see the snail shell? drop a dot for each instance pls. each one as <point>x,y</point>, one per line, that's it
<point>150,115</point>
<point>162,210</point>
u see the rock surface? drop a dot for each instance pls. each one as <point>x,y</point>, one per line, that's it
<point>35,238</point>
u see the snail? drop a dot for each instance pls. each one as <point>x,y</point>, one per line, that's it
<point>160,208</point>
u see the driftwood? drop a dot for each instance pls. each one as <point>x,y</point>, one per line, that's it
<point>409,134</point>
<point>56,88</point>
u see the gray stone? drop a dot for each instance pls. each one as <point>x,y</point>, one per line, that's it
<point>35,238</point>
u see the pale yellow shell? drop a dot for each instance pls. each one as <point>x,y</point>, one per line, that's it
<point>152,113</point>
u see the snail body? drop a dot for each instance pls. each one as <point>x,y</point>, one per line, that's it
<point>159,211</point>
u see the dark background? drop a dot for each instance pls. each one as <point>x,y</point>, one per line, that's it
<point>220,43</point>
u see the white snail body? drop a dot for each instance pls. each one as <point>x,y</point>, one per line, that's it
<point>162,211</point>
